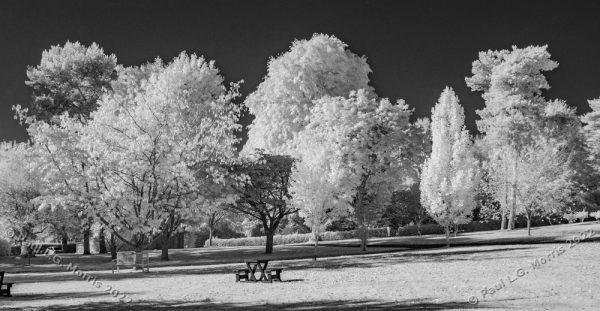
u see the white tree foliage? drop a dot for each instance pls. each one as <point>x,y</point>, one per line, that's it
<point>365,136</point>
<point>451,174</point>
<point>19,186</point>
<point>512,83</point>
<point>156,149</point>
<point>311,69</point>
<point>545,179</point>
<point>70,78</point>
<point>160,143</point>
<point>592,131</point>
<point>315,189</point>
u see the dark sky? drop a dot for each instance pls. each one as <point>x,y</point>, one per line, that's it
<point>415,48</point>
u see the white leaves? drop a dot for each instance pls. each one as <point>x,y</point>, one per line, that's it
<point>592,131</point>
<point>451,174</point>
<point>348,152</point>
<point>154,145</point>
<point>310,70</point>
<point>512,82</point>
<point>545,179</point>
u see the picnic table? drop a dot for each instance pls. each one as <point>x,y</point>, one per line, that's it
<point>258,265</point>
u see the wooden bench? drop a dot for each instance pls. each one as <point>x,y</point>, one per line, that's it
<point>4,292</point>
<point>273,274</point>
<point>132,259</point>
<point>241,274</point>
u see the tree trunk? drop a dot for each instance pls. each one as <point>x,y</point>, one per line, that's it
<point>511,214</point>
<point>364,237</point>
<point>86,240</point>
<point>113,246</point>
<point>269,245</point>
<point>102,241</point>
<point>210,235</point>
<point>447,230</point>
<point>181,240</point>
<point>513,210</point>
<point>528,224</point>
<point>270,226</point>
<point>455,229</point>
<point>24,249</point>
<point>165,247</point>
<point>419,227</point>
<point>64,241</point>
<point>316,237</point>
<point>504,205</point>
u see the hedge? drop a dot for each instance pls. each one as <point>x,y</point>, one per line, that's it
<point>344,235</point>
<point>4,248</point>
<point>71,248</point>
<point>295,238</point>
<point>437,229</point>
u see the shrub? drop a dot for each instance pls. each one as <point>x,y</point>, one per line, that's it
<point>437,229</point>
<point>480,226</point>
<point>15,250</point>
<point>425,229</point>
<point>4,248</point>
<point>596,215</point>
<point>581,215</point>
<point>71,248</point>
<point>578,216</point>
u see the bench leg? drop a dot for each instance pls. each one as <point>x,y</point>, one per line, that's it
<point>239,277</point>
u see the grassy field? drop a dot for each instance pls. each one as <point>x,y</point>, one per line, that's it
<point>396,274</point>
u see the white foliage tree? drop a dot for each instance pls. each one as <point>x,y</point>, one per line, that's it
<point>159,146</point>
<point>315,191</point>
<point>512,83</point>
<point>62,165</point>
<point>367,137</point>
<point>311,69</point>
<point>545,180</point>
<point>19,186</point>
<point>451,174</point>
<point>592,131</point>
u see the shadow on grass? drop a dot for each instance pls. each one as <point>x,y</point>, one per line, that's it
<point>183,258</point>
<point>312,305</point>
<point>435,242</point>
<point>367,261</point>
<point>57,295</point>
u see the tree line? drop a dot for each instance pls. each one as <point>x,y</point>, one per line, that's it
<point>146,152</point>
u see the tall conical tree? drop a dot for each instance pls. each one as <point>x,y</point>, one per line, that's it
<point>451,174</point>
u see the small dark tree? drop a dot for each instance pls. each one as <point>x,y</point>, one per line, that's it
<point>264,191</point>
<point>405,208</point>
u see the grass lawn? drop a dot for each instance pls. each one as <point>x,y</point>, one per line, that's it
<point>396,274</point>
